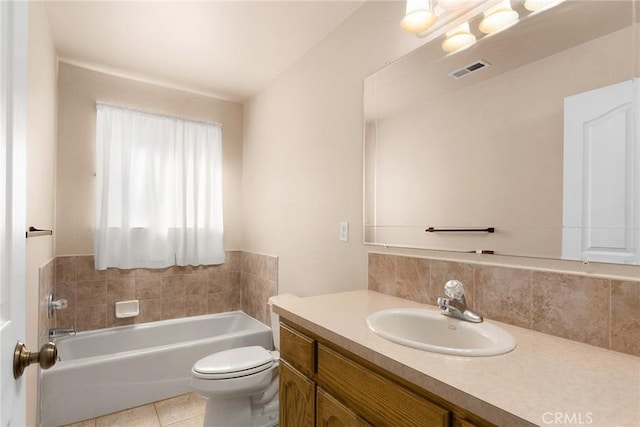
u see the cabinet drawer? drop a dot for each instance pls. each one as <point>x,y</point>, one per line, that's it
<point>379,400</point>
<point>298,350</point>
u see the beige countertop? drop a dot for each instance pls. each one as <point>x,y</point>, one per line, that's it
<point>545,380</point>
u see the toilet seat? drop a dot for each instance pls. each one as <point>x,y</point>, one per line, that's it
<point>234,363</point>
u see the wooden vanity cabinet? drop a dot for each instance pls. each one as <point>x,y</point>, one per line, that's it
<point>325,386</point>
<point>297,397</point>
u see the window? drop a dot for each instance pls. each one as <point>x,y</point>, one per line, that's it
<point>159,190</point>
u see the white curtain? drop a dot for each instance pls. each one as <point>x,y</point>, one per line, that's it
<point>159,190</point>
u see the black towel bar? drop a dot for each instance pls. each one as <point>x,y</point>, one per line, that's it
<point>464,230</point>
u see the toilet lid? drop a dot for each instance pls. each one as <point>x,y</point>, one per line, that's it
<point>233,363</point>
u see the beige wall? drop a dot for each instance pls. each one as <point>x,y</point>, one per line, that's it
<point>79,89</point>
<point>303,155</point>
<point>302,165</point>
<point>41,169</point>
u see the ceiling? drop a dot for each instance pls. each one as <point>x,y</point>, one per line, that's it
<point>226,49</point>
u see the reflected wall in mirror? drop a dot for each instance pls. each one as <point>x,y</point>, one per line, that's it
<point>542,142</point>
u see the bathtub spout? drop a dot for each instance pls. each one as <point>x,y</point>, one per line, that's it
<point>60,332</point>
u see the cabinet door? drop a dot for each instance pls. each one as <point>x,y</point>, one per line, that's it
<point>297,398</point>
<point>331,413</point>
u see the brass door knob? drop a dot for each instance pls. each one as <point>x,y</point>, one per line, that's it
<point>22,358</point>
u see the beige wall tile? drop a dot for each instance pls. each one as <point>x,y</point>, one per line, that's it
<point>260,265</point>
<point>91,293</point>
<point>118,273</point>
<point>571,306</point>
<point>163,293</point>
<point>145,272</point>
<point>66,270</point>
<point>413,278</point>
<point>625,317</point>
<point>196,284</point>
<point>91,317</point>
<point>233,261</point>
<point>503,294</point>
<point>443,271</point>
<point>112,320</point>
<point>150,310</point>
<point>86,269</point>
<point>120,290</point>
<point>148,287</point>
<point>173,307</point>
<point>196,305</point>
<point>382,273</point>
<point>218,302</point>
<point>173,286</point>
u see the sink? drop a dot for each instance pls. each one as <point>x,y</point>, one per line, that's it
<point>429,330</point>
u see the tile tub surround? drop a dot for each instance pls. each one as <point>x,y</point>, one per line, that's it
<point>542,376</point>
<point>594,310</point>
<point>46,279</point>
<point>163,293</point>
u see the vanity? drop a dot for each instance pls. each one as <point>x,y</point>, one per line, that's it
<point>336,372</point>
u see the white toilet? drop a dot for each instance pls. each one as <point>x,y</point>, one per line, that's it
<point>240,384</point>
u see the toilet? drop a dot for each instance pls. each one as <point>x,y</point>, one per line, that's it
<point>240,384</point>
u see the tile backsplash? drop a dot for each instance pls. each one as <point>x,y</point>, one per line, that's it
<point>244,282</point>
<point>595,310</point>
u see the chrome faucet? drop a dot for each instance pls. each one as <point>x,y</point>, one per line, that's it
<point>60,332</point>
<point>456,305</point>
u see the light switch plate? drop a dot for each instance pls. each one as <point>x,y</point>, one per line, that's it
<point>344,231</point>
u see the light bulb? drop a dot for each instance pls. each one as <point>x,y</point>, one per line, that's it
<point>458,39</point>
<point>498,18</point>
<point>418,17</point>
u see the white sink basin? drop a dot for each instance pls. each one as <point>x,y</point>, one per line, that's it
<point>429,330</point>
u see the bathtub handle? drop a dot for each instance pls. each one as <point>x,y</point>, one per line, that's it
<point>22,358</point>
<point>60,304</point>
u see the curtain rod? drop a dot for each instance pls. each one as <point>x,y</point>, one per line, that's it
<point>153,113</point>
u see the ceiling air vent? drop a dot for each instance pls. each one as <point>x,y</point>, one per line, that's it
<point>478,65</point>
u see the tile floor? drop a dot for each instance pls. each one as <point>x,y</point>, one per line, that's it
<point>186,410</point>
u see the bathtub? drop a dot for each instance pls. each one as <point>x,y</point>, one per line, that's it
<point>109,370</point>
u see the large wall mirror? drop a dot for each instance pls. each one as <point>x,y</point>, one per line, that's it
<point>533,132</point>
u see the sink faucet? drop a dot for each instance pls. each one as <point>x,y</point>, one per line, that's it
<point>455,305</point>
<point>60,332</point>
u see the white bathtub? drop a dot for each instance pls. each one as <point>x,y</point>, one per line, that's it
<point>108,370</point>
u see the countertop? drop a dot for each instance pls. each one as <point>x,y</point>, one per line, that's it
<point>545,380</point>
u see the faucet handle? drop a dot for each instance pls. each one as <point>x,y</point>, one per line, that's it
<point>454,289</point>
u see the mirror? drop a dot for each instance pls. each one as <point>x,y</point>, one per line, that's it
<point>492,149</point>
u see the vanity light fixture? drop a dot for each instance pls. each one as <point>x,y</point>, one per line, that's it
<point>540,5</point>
<point>455,4</point>
<point>459,38</point>
<point>419,16</point>
<point>498,18</point>
<point>454,19</point>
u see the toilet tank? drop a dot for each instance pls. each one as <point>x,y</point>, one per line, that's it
<point>275,326</point>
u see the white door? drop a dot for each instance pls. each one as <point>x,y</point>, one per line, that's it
<point>601,172</point>
<point>13,37</point>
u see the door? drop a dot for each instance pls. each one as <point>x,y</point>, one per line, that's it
<point>13,50</point>
<point>601,194</point>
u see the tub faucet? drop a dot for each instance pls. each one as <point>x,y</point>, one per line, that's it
<point>456,305</point>
<point>60,332</point>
